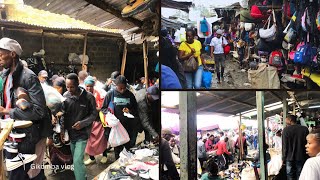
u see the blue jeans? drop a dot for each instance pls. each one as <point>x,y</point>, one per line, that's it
<point>294,169</point>
<point>194,79</point>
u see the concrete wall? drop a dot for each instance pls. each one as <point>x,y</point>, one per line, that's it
<point>103,52</point>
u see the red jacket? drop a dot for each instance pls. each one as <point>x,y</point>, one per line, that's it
<point>222,148</point>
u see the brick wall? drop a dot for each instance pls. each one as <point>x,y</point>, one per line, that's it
<point>103,52</point>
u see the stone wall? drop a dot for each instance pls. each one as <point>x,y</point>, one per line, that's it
<point>103,52</point>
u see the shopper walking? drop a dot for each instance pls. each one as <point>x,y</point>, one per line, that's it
<point>217,44</point>
<point>192,47</point>
<point>79,113</point>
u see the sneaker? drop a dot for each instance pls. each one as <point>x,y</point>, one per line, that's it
<point>19,160</point>
<point>89,161</point>
<point>136,6</point>
<point>144,174</point>
<point>17,135</point>
<point>16,124</point>
<point>11,148</point>
<point>104,160</point>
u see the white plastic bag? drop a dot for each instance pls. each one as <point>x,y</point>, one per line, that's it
<point>275,165</point>
<point>118,134</point>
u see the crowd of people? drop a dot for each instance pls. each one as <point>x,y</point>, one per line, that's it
<point>73,126</point>
<point>216,150</point>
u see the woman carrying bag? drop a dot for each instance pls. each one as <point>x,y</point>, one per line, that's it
<point>189,55</point>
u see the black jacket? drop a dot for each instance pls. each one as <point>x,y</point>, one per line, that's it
<point>83,109</point>
<point>293,143</point>
<point>38,112</point>
<point>148,115</point>
<point>121,101</point>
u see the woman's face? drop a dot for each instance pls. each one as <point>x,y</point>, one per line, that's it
<point>190,37</point>
<point>312,146</point>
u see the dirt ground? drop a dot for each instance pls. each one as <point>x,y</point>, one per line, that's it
<point>92,170</point>
<point>234,78</point>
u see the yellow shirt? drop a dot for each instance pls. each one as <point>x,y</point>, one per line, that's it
<point>196,45</point>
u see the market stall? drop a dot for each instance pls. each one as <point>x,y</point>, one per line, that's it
<point>266,109</point>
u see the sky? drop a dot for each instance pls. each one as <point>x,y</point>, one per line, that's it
<point>166,12</point>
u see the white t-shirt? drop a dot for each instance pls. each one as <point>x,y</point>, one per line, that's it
<point>310,170</point>
<point>217,44</point>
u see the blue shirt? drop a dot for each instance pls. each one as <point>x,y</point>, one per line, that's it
<point>169,79</point>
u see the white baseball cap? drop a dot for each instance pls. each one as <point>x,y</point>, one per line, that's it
<point>219,31</point>
<point>10,45</point>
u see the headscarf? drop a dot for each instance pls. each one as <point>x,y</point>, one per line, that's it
<point>89,81</point>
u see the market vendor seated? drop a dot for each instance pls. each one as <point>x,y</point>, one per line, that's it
<point>212,173</point>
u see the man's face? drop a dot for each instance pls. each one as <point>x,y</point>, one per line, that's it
<point>6,58</point>
<point>121,88</point>
<point>71,86</point>
<point>89,88</point>
<point>43,79</point>
<point>218,36</point>
<point>288,121</point>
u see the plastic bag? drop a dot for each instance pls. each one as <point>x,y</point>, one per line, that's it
<point>53,98</point>
<point>275,165</point>
<point>206,79</point>
<point>118,134</point>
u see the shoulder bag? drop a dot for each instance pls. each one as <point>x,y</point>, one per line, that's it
<point>190,65</point>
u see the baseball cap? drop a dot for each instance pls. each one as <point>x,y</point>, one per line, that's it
<point>43,73</point>
<point>154,92</point>
<point>219,31</point>
<point>166,132</point>
<point>114,75</point>
<point>10,45</point>
<point>54,77</point>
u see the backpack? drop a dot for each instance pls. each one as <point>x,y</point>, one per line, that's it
<point>204,26</point>
<point>318,20</point>
<point>275,59</point>
<point>303,54</point>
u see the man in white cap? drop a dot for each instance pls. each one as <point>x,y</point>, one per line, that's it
<point>43,76</point>
<point>14,76</point>
<point>217,44</point>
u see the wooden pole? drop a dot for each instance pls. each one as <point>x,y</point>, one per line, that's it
<point>84,67</point>
<point>240,140</point>
<point>284,109</point>
<point>42,40</point>
<point>124,58</point>
<point>262,139</point>
<point>145,60</point>
<point>188,134</point>
<point>3,136</point>
<point>2,31</point>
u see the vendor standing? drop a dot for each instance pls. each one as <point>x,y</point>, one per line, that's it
<point>293,150</point>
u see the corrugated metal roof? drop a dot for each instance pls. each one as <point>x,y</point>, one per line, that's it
<point>82,10</point>
<point>36,17</point>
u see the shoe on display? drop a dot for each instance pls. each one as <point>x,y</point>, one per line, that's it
<point>19,160</point>
<point>12,147</point>
<point>19,124</point>
<point>144,174</point>
<point>89,161</point>
<point>17,135</point>
<point>136,6</point>
<point>104,160</point>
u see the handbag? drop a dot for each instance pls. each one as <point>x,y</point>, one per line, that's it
<point>226,48</point>
<point>190,65</point>
<point>270,33</point>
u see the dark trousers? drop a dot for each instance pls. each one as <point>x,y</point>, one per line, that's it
<point>294,169</point>
<point>105,153</point>
<point>201,161</point>
<point>128,145</point>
